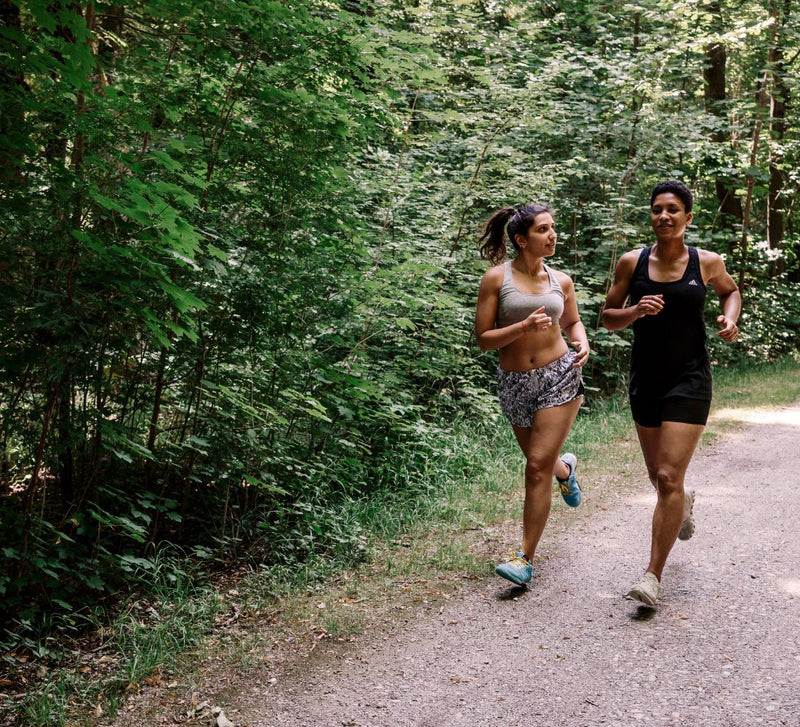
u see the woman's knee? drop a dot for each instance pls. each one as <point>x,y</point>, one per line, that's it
<point>667,480</point>
<point>537,469</point>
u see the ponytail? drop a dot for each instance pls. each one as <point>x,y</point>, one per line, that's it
<point>511,220</point>
<point>493,235</point>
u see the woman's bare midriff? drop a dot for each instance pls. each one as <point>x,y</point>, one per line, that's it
<point>533,350</point>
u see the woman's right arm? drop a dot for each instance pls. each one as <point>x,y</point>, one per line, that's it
<point>615,315</point>
<point>488,336</point>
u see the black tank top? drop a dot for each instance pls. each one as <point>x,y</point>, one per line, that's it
<point>669,356</point>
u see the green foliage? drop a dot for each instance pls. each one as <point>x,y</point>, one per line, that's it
<point>237,242</point>
<point>770,320</point>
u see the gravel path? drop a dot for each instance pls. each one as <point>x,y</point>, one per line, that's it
<point>721,649</point>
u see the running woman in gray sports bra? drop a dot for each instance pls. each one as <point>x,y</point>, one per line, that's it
<point>524,310</point>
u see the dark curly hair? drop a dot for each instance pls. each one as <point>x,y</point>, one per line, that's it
<point>679,189</point>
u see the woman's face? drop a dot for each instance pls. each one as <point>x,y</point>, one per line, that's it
<point>669,217</point>
<point>541,237</point>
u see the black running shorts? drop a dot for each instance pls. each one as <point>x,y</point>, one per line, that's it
<point>653,411</point>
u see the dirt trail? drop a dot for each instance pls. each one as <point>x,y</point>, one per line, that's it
<point>722,649</point>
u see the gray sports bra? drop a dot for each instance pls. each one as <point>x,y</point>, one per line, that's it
<point>514,305</point>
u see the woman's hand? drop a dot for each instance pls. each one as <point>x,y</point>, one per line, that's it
<point>650,305</point>
<point>581,355</point>
<point>728,329</point>
<point>538,321</point>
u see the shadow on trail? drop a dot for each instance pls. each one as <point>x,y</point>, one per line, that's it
<point>512,594</point>
<point>643,613</point>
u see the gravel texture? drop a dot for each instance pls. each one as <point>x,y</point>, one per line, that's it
<point>721,649</point>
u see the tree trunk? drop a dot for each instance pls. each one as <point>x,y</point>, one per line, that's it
<point>715,96</point>
<point>761,97</point>
<point>778,101</point>
<point>12,117</point>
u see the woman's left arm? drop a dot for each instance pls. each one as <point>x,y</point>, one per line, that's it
<point>571,322</point>
<point>730,299</point>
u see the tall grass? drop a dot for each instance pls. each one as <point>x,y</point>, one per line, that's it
<point>89,678</point>
<point>767,384</point>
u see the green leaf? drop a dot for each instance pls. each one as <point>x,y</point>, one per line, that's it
<point>266,486</point>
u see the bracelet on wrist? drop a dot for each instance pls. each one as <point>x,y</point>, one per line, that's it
<point>524,328</point>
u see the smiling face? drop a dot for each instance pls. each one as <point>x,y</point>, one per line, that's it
<point>669,217</point>
<point>540,240</point>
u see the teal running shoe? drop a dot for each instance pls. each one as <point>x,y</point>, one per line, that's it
<point>517,570</point>
<point>569,487</point>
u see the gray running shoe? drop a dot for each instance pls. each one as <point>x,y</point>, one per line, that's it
<point>687,526</point>
<point>646,590</point>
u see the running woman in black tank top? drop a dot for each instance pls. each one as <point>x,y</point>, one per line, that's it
<point>682,369</point>
<point>660,292</point>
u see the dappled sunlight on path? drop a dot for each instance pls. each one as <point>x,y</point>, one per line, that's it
<point>759,416</point>
<point>790,585</point>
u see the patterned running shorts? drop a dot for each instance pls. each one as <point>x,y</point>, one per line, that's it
<point>524,392</point>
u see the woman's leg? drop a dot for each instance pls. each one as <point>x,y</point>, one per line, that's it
<point>667,451</point>
<point>541,444</point>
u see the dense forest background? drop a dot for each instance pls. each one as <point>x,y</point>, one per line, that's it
<point>238,247</point>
